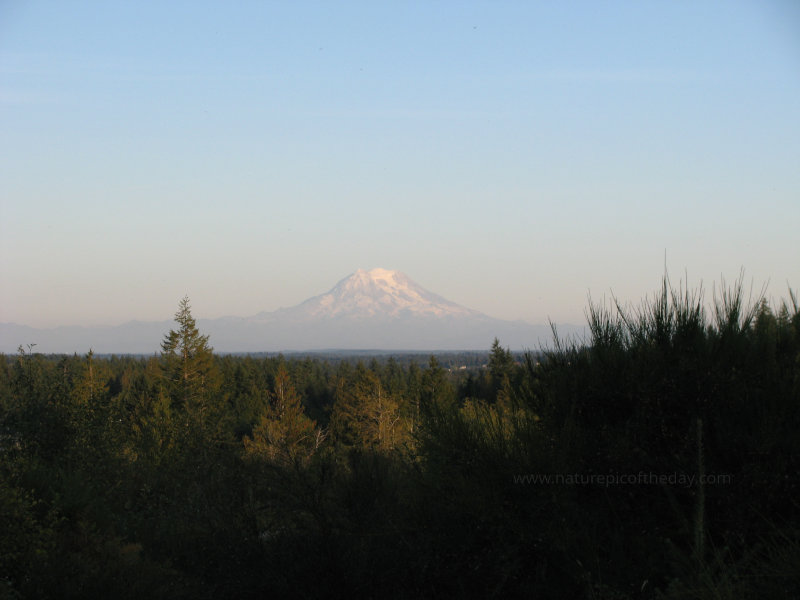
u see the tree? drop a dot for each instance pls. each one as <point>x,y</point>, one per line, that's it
<point>91,382</point>
<point>501,368</point>
<point>435,386</point>
<point>284,433</point>
<point>365,415</point>
<point>188,366</point>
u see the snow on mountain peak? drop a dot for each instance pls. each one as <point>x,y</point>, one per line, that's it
<point>380,293</point>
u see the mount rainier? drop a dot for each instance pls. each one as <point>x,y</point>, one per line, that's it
<point>377,309</point>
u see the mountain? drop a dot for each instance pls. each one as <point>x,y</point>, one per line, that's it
<point>375,309</point>
<point>378,293</point>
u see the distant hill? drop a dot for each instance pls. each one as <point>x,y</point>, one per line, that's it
<point>376,309</point>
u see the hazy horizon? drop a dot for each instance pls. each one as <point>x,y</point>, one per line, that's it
<point>511,157</point>
<point>752,294</point>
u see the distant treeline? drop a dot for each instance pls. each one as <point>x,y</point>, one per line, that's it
<point>449,359</point>
<point>661,459</point>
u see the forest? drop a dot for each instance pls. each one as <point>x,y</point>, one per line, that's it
<point>657,458</point>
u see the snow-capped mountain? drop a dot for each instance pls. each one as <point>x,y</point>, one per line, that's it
<point>378,293</point>
<point>374,309</point>
<point>377,309</point>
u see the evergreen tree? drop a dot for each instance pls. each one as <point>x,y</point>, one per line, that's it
<point>188,367</point>
<point>501,368</point>
<point>435,386</point>
<point>365,415</point>
<point>284,433</point>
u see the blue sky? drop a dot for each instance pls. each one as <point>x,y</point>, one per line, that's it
<point>510,156</point>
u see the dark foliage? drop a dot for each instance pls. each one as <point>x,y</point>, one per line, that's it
<point>658,459</point>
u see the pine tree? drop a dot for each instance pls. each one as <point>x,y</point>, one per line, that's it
<point>188,367</point>
<point>501,368</point>
<point>365,415</point>
<point>435,386</point>
<point>284,433</point>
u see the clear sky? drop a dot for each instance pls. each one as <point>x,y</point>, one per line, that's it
<point>510,156</point>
